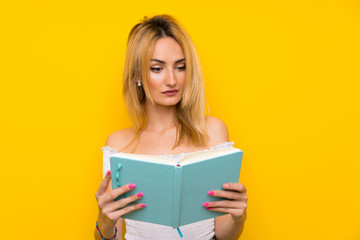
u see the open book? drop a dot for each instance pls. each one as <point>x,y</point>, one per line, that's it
<point>175,191</point>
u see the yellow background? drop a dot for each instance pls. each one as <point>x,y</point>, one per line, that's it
<point>283,75</point>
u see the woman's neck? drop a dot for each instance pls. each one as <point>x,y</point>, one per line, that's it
<point>160,118</point>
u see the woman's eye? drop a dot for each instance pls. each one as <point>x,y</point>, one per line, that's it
<point>182,68</point>
<point>155,69</point>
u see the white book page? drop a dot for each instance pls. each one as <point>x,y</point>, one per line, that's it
<point>187,159</point>
<point>146,158</point>
<point>204,155</point>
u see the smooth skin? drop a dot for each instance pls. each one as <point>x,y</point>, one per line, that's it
<point>158,138</point>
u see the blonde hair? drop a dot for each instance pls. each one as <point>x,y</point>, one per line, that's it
<point>190,111</point>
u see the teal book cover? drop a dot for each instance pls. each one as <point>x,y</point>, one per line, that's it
<point>175,191</point>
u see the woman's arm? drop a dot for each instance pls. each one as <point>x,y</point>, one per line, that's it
<point>110,211</point>
<point>229,226</point>
<point>119,233</point>
<point>111,231</point>
<point>225,228</point>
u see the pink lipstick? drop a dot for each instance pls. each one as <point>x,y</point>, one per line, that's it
<point>171,92</point>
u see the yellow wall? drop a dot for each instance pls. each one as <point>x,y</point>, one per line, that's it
<point>283,75</point>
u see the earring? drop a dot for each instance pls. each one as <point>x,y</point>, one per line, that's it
<point>138,83</point>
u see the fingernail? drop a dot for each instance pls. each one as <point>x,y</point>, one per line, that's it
<point>143,205</point>
<point>208,208</point>
<point>211,192</point>
<point>205,204</point>
<point>108,172</point>
<point>226,185</point>
<point>131,185</point>
<point>139,194</point>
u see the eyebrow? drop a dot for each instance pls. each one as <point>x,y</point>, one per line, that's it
<point>157,60</point>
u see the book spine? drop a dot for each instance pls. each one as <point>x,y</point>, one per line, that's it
<point>177,197</point>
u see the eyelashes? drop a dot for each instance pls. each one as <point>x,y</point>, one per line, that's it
<point>182,68</point>
<point>154,69</point>
<point>158,69</point>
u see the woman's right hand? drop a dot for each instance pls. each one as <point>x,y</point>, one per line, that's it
<point>110,211</point>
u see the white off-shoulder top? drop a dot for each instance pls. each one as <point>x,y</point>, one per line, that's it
<point>136,230</point>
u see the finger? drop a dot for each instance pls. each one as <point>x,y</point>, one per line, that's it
<point>239,187</point>
<point>226,204</point>
<point>104,184</point>
<point>125,201</point>
<point>119,213</point>
<point>119,191</point>
<point>236,212</point>
<point>227,194</point>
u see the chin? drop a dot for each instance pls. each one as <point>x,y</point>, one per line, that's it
<point>168,103</point>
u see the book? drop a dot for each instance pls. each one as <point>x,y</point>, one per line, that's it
<point>174,191</point>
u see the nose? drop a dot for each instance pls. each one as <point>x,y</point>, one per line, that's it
<point>170,78</point>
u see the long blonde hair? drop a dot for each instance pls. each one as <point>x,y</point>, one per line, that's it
<point>191,110</point>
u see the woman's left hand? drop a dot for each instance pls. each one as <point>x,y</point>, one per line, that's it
<point>235,204</point>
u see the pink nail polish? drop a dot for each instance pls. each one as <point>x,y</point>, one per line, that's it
<point>208,208</point>
<point>211,192</point>
<point>139,194</point>
<point>108,172</point>
<point>132,185</point>
<point>143,205</point>
<point>205,204</point>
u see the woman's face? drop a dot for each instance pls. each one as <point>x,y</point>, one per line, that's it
<point>167,72</point>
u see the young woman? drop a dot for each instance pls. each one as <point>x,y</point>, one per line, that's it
<point>164,94</point>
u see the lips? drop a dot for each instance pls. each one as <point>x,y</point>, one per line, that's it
<point>171,92</point>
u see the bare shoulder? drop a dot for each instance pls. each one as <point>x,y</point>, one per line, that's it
<point>217,130</point>
<point>120,138</point>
